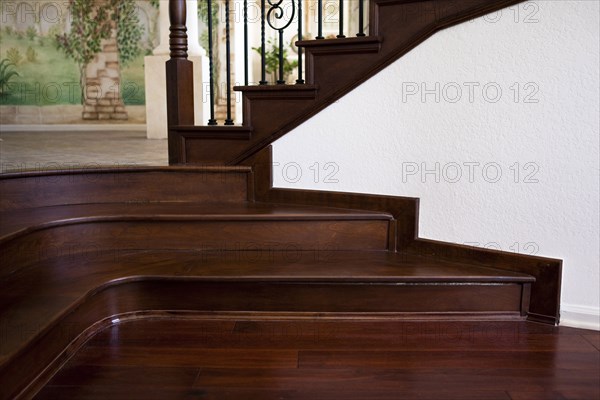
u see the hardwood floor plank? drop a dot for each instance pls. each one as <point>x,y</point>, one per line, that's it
<point>576,394</point>
<point>394,380</point>
<point>175,356</point>
<point>99,393</point>
<point>408,335</point>
<point>417,360</point>
<point>594,339</point>
<point>126,376</point>
<point>256,359</point>
<point>103,392</point>
<point>206,333</point>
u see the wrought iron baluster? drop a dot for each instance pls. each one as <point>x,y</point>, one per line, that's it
<point>246,42</point>
<point>341,19</point>
<point>277,13</point>
<point>319,20</point>
<point>263,58</point>
<point>211,90</point>
<point>300,16</point>
<point>281,81</point>
<point>228,120</point>
<point>361,18</point>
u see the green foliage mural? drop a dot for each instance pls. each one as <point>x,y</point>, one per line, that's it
<point>129,31</point>
<point>94,21</point>
<point>7,72</point>
<point>89,25</point>
<point>50,49</point>
<point>14,56</point>
<point>31,55</point>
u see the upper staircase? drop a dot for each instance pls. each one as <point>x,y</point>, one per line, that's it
<point>85,249</point>
<point>333,67</point>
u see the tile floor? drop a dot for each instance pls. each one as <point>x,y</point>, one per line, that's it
<point>51,150</point>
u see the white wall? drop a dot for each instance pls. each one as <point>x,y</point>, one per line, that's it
<point>380,138</point>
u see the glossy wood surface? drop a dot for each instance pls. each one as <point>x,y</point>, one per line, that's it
<point>47,307</point>
<point>30,235</point>
<point>166,253</point>
<point>70,277</point>
<point>126,184</point>
<point>324,359</point>
<point>71,269</point>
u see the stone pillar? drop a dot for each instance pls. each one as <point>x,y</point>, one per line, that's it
<point>156,80</point>
<point>102,91</point>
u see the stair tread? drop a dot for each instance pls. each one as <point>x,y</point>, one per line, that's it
<point>16,222</point>
<point>347,41</point>
<point>111,169</point>
<point>276,88</point>
<point>228,132</point>
<point>32,298</point>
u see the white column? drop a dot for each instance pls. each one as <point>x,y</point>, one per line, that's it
<point>194,48</point>
<point>163,16</point>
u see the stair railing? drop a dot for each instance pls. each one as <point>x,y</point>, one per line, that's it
<point>275,16</point>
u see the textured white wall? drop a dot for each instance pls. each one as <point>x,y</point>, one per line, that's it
<point>516,148</point>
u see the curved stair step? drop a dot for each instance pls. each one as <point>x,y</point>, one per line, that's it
<point>126,184</point>
<point>30,235</point>
<point>52,307</point>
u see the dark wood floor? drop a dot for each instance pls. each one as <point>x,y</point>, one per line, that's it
<point>203,358</point>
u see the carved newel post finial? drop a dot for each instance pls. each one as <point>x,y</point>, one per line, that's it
<point>178,42</point>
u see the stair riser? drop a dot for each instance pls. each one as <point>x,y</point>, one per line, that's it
<point>196,295</point>
<point>330,297</point>
<point>123,186</point>
<point>100,238</point>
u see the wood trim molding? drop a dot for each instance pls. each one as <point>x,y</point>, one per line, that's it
<point>545,292</point>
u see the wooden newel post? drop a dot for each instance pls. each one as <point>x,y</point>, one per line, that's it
<point>180,84</point>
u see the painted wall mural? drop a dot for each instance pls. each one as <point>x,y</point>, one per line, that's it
<point>69,60</point>
<point>82,61</point>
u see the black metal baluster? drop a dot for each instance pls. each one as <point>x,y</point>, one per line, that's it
<point>281,81</point>
<point>246,42</point>
<point>299,81</point>
<point>212,120</point>
<point>228,120</point>
<point>361,18</point>
<point>341,10</point>
<point>319,20</point>
<point>275,17</point>
<point>263,59</point>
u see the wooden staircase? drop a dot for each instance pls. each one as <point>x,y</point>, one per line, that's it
<point>83,250</point>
